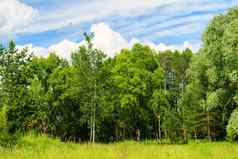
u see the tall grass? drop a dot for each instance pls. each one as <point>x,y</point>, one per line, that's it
<point>42,147</point>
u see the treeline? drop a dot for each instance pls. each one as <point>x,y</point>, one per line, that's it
<point>138,94</point>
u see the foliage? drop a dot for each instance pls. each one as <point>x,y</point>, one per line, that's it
<point>138,94</point>
<point>214,70</point>
<point>6,139</point>
<point>232,127</point>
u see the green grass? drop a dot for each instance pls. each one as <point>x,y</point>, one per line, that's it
<point>32,147</point>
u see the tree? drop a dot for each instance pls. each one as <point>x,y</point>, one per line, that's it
<point>214,69</point>
<point>132,75</point>
<point>175,65</point>
<point>14,83</point>
<point>40,93</point>
<point>88,62</point>
<point>232,126</point>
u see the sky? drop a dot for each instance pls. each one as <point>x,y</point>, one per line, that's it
<point>58,25</point>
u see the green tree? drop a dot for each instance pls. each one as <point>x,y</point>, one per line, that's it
<point>14,83</point>
<point>214,69</point>
<point>132,75</point>
<point>87,63</point>
<point>232,126</point>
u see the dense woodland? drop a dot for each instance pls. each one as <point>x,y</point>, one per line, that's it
<point>139,94</point>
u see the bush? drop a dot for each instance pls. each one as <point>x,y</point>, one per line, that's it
<point>6,140</point>
<point>232,127</point>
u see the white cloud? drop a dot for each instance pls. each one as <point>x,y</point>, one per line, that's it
<point>164,26</point>
<point>163,47</point>
<point>38,51</point>
<point>79,12</point>
<point>107,40</point>
<point>185,29</point>
<point>14,15</point>
<point>64,48</point>
<point>126,7</point>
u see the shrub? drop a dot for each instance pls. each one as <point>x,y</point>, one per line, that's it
<point>6,139</point>
<point>232,127</point>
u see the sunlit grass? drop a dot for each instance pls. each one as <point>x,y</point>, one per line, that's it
<point>33,147</point>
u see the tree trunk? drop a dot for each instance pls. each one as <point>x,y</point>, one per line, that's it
<point>195,134</point>
<point>91,125</point>
<point>116,132</point>
<point>184,128</point>
<point>166,133</point>
<point>137,134</point>
<point>159,127</point>
<point>208,127</point>
<point>94,112</point>
<point>124,133</point>
<point>184,136</point>
<point>93,137</point>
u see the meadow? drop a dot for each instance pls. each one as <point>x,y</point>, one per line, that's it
<point>42,147</point>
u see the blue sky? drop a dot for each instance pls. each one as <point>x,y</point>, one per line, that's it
<point>49,22</point>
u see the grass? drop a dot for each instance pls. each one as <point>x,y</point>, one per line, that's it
<point>41,147</point>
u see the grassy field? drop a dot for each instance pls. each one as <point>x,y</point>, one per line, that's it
<point>44,148</point>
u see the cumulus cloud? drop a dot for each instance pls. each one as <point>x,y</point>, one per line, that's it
<point>163,47</point>
<point>107,40</point>
<point>38,51</point>
<point>14,15</point>
<point>64,48</point>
